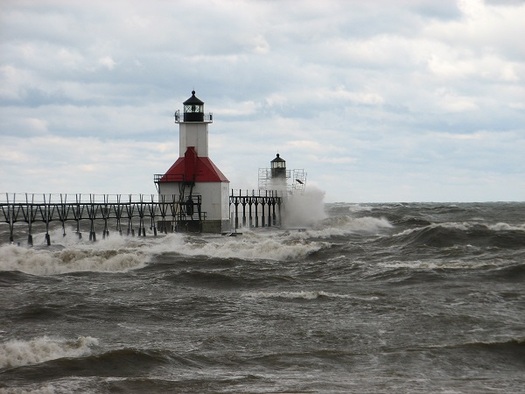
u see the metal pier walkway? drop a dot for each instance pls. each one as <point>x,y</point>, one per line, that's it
<point>127,213</point>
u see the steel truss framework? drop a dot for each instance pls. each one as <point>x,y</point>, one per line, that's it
<point>296,183</point>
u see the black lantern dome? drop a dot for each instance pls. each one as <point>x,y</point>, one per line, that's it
<point>278,167</point>
<point>193,109</point>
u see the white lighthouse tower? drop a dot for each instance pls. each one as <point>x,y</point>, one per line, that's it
<point>198,189</point>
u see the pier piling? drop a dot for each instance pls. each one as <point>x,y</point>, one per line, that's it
<point>264,207</point>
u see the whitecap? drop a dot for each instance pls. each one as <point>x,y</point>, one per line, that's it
<point>278,246</point>
<point>102,257</point>
<point>16,353</point>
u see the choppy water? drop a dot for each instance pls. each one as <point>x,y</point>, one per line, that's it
<point>385,298</point>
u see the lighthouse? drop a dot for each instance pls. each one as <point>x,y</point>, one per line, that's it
<point>277,177</point>
<point>197,189</point>
<point>278,172</point>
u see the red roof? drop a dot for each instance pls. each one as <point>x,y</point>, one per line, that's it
<point>192,168</point>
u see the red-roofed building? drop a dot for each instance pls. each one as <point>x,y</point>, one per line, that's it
<point>198,189</point>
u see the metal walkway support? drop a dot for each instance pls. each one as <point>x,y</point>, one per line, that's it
<point>96,211</point>
<point>260,208</point>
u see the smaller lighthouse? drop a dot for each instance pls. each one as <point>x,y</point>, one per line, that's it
<point>278,173</point>
<point>198,189</point>
<point>278,167</point>
<point>278,177</point>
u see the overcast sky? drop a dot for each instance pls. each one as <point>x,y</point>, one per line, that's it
<point>378,100</point>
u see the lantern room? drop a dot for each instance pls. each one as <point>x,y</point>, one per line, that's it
<point>278,167</point>
<point>193,109</point>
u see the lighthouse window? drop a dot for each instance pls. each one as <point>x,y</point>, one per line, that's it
<point>193,108</point>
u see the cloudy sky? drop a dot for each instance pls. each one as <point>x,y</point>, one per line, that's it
<point>379,100</point>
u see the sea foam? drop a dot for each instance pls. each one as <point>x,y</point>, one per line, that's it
<point>307,295</point>
<point>274,245</point>
<point>101,257</point>
<point>16,353</point>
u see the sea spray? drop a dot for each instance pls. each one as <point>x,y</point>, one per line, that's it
<point>304,209</point>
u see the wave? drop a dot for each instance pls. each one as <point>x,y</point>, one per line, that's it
<point>96,257</point>
<point>307,295</point>
<point>122,254</point>
<point>435,265</point>
<point>211,279</point>
<point>275,245</point>
<point>112,254</point>
<point>511,348</point>
<point>499,235</point>
<point>514,348</point>
<point>16,353</point>
<point>116,362</point>
<point>66,370</point>
<point>508,273</point>
<point>228,273</point>
<point>340,226</point>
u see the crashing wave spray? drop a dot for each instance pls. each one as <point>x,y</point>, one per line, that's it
<point>304,209</point>
<point>301,207</point>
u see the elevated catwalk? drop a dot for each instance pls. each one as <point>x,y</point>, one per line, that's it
<point>92,213</point>
<point>261,208</point>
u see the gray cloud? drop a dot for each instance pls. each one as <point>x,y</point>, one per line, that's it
<point>381,100</point>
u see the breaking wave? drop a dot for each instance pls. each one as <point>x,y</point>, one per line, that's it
<point>277,246</point>
<point>97,257</point>
<point>499,235</point>
<point>347,225</point>
<point>16,353</point>
<point>307,295</point>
